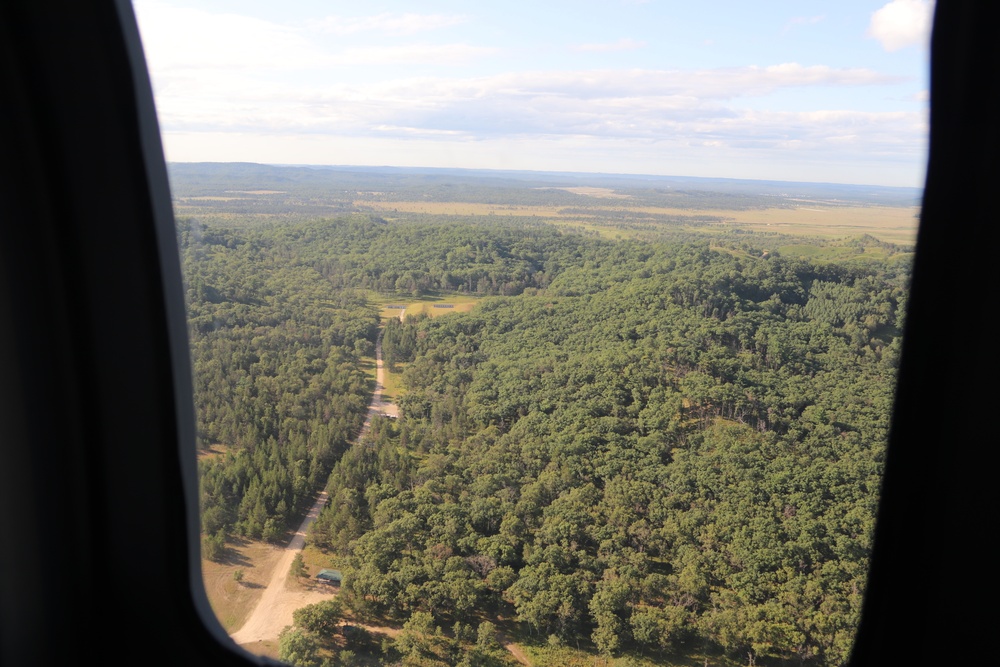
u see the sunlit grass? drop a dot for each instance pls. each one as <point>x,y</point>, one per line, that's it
<point>232,601</point>
<point>895,224</point>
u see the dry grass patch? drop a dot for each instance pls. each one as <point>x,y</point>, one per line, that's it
<point>436,307</point>
<point>433,305</point>
<point>213,451</point>
<point>896,224</point>
<point>390,313</point>
<point>543,655</point>
<point>267,648</point>
<point>460,208</point>
<point>233,601</point>
<point>893,224</point>
<point>594,192</point>
<point>315,559</point>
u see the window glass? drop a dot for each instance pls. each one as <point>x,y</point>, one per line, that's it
<point>542,333</point>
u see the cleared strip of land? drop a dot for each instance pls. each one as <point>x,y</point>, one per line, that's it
<point>888,223</point>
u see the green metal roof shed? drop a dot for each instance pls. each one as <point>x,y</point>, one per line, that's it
<point>330,576</point>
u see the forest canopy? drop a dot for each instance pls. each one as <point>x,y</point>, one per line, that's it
<point>643,445</point>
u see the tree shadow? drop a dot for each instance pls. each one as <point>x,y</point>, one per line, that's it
<point>251,584</point>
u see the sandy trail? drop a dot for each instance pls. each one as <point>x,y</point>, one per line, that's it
<point>516,651</point>
<point>274,610</point>
<point>378,406</point>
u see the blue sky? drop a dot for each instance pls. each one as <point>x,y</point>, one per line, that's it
<point>805,90</point>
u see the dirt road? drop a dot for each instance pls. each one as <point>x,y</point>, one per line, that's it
<point>378,406</point>
<point>274,611</point>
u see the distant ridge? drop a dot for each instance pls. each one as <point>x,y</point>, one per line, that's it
<point>201,176</point>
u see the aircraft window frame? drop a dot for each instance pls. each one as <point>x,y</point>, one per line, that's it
<point>176,315</point>
<point>165,232</point>
<point>91,497</point>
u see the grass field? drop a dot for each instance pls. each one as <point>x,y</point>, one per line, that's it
<point>458,303</point>
<point>369,368</point>
<point>544,655</point>
<point>268,649</point>
<point>896,225</point>
<point>392,388</point>
<point>831,253</point>
<point>316,559</point>
<point>819,219</point>
<point>233,601</point>
<point>590,191</point>
<point>212,452</point>
<point>390,313</point>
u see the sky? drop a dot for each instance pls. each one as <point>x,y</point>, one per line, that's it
<point>796,90</point>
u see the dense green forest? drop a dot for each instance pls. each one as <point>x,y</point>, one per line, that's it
<point>275,349</point>
<point>667,446</point>
<point>634,447</point>
<point>280,321</point>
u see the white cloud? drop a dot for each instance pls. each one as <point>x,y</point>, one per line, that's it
<point>242,82</point>
<point>213,42</point>
<point>629,85</point>
<point>624,44</point>
<point>632,103</point>
<point>902,23</point>
<point>386,23</point>
<point>181,38</point>
<point>895,159</point>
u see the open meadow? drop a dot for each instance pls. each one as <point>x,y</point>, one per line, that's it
<point>894,224</point>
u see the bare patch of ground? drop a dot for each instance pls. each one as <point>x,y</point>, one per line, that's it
<point>897,224</point>
<point>594,192</point>
<point>232,601</point>
<point>213,451</point>
<point>268,648</point>
<point>278,600</point>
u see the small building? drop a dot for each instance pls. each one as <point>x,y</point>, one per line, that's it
<point>333,577</point>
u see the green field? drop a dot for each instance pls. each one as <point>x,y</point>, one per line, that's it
<point>392,388</point>
<point>815,219</point>
<point>460,303</point>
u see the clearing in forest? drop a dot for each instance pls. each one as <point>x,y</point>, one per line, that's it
<point>896,224</point>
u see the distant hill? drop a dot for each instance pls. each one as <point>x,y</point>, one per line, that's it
<point>213,178</point>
